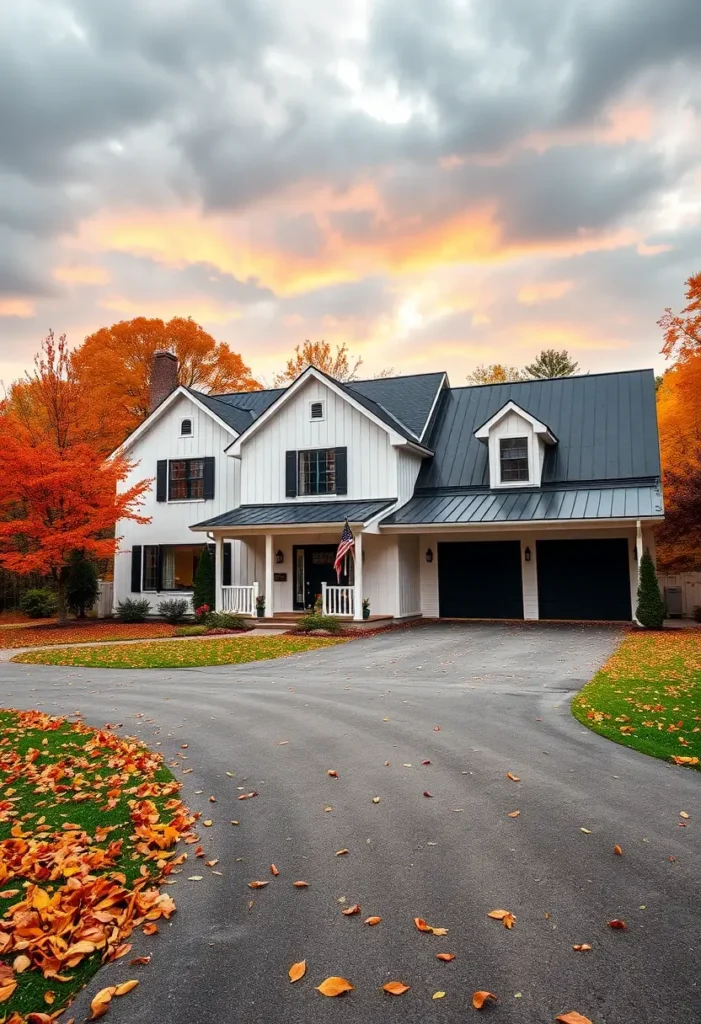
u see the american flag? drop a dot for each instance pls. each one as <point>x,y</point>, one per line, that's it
<point>346,544</point>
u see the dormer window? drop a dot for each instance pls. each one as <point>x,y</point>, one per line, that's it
<point>186,428</point>
<point>513,459</point>
<point>316,411</point>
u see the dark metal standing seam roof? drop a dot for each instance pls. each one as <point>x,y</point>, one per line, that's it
<point>403,403</point>
<point>636,501</point>
<point>606,427</point>
<point>292,513</point>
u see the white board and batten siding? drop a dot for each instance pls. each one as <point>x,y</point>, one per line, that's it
<point>528,539</point>
<point>373,463</point>
<point>171,521</point>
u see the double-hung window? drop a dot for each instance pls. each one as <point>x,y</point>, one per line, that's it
<point>513,458</point>
<point>317,471</point>
<point>186,479</point>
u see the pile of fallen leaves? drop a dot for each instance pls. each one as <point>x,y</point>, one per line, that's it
<point>81,633</point>
<point>89,823</point>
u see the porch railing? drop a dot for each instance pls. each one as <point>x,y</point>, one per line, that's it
<point>240,600</point>
<point>337,600</point>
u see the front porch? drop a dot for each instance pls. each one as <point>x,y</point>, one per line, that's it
<point>280,558</point>
<point>292,575</point>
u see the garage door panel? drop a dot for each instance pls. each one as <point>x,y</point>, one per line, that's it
<point>584,579</point>
<point>480,580</point>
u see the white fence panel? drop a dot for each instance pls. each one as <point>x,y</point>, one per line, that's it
<point>690,583</point>
<point>105,596</point>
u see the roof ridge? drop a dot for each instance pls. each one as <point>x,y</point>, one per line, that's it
<point>547,380</point>
<point>400,376</point>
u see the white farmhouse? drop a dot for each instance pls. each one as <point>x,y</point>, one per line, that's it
<point>522,500</point>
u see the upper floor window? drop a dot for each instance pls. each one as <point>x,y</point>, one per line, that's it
<point>317,471</point>
<point>513,458</point>
<point>186,479</point>
<point>186,428</point>
<point>316,410</point>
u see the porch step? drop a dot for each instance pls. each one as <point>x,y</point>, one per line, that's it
<point>289,621</point>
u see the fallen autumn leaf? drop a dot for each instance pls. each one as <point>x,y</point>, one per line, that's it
<point>446,957</point>
<point>372,920</point>
<point>481,997</point>
<point>297,970</point>
<point>334,987</point>
<point>395,988</point>
<point>572,1018</point>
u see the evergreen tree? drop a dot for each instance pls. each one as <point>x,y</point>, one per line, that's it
<point>204,591</point>
<point>650,612</point>
<point>551,363</point>
<point>81,584</point>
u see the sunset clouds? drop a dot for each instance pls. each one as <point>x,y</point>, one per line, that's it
<point>436,182</point>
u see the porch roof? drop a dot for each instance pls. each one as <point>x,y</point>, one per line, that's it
<point>292,513</point>
<point>632,501</point>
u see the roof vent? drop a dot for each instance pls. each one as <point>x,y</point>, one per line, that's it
<point>317,410</point>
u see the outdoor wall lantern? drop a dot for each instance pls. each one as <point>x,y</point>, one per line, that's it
<point>429,555</point>
<point>527,554</point>
<point>279,557</point>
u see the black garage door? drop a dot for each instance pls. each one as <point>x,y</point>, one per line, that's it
<point>583,579</point>
<point>480,580</point>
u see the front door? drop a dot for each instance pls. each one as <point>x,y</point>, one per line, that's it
<point>313,565</point>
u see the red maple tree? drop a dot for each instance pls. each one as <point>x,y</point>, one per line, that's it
<point>58,495</point>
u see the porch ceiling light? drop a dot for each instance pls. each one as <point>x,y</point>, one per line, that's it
<point>429,555</point>
<point>279,557</point>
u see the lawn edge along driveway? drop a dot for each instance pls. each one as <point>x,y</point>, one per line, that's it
<point>185,653</point>
<point>89,822</point>
<point>648,696</point>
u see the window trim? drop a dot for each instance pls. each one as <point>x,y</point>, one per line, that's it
<point>189,498</point>
<point>317,419</point>
<point>187,419</point>
<point>526,441</point>
<point>301,493</point>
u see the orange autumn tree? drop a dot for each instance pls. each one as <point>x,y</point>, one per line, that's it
<point>340,365</point>
<point>57,495</point>
<point>114,366</point>
<point>679,417</point>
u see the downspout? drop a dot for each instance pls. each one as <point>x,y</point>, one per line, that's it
<point>638,555</point>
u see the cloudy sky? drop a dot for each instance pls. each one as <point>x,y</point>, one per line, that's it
<point>437,183</point>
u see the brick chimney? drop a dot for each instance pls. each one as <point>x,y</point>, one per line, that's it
<point>164,376</point>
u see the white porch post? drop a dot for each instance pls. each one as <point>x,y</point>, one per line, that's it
<point>219,573</point>
<point>358,611</point>
<point>269,563</point>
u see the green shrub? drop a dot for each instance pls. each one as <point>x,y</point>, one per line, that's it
<point>310,622</point>
<point>82,587</point>
<point>204,582</point>
<point>191,631</point>
<point>224,620</point>
<point>133,611</point>
<point>650,612</point>
<point>175,610</point>
<point>39,603</point>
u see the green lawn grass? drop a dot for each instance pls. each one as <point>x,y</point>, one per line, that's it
<point>179,653</point>
<point>41,814</point>
<point>648,695</point>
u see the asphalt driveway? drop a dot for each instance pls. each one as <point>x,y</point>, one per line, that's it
<point>477,702</point>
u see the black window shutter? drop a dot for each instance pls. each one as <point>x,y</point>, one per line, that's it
<point>159,568</point>
<point>291,474</point>
<point>341,470</point>
<point>136,568</point>
<point>209,477</point>
<point>226,569</point>
<point>162,480</point>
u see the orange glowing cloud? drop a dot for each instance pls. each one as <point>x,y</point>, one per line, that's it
<point>22,308</point>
